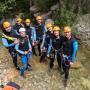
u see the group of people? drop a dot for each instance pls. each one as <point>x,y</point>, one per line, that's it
<point>22,38</point>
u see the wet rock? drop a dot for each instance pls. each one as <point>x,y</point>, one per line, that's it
<point>39,78</point>
<point>36,14</point>
<point>54,7</point>
<point>82,26</point>
<point>34,9</point>
<point>46,15</point>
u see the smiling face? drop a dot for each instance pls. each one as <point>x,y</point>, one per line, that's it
<point>68,35</point>
<point>56,33</point>
<point>27,23</point>
<point>8,29</point>
<point>18,22</point>
<point>39,21</point>
<point>50,29</point>
<point>23,34</point>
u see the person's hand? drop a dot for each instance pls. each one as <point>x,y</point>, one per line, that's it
<point>30,50</point>
<point>48,55</point>
<point>16,41</point>
<point>71,63</point>
<point>41,49</point>
<point>26,52</point>
<point>33,44</point>
<point>37,41</point>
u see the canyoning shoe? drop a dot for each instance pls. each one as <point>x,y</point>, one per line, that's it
<point>65,82</point>
<point>28,68</point>
<point>61,71</point>
<point>29,65</point>
<point>39,54</point>
<point>17,68</point>
<point>35,54</point>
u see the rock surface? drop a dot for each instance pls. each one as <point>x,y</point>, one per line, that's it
<point>82,25</point>
<point>40,78</point>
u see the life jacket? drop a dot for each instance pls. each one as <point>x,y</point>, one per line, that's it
<point>47,38</point>
<point>28,31</point>
<point>57,42</point>
<point>17,27</point>
<point>12,33</point>
<point>23,45</point>
<point>66,60</point>
<point>39,30</point>
<point>68,46</point>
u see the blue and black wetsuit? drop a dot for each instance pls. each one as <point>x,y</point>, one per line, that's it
<point>40,31</point>
<point>45,44</point>
<point>21,47</point>
<point>55,50</point>
<point>69,51</point>
<point>30,31</point>
<point>9,44</point>
<point>17,27</point>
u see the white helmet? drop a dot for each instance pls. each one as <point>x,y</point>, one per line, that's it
<point>22,30</point>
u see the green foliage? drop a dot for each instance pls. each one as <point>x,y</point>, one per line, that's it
<point>75,32</point>
<point>66,18</point>
<point>12,7</point>
<point>6,6</point>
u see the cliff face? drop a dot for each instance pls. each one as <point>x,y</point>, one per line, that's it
<point>82,26</point>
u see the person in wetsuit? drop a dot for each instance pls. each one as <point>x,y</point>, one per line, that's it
<point>8,31</point>
<point>45,42</point>
<point>40,31</point>
<point>69,50</point>
<point>18,24</point>
<point>30,31</point>
<point>25,50</point>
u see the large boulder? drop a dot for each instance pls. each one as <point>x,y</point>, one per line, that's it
<point>46,15</point>
<point>82,25</point>
<point>54,7</point>
<point>34,9</point>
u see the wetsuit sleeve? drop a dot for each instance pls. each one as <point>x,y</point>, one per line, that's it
<point>29,45</point>
<point>45,28</point>
<point>18,50</point>
<point>33,34</point>
<point>14,27</point>
<point>49,47</point>
<point>16,32</point>
<point>75,48</point>
<point>5,43</point>
<point>42,44</point>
